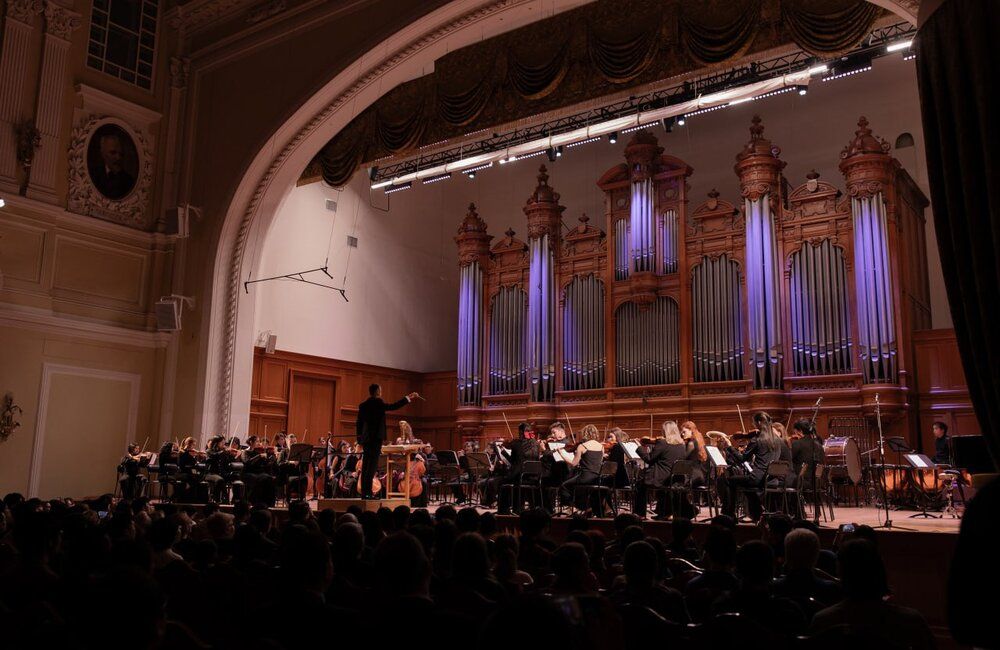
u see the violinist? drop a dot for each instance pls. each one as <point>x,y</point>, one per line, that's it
<point>188,464</point>
<point>522,449</point>
<point>133,460</point>
<point>613,442</point>
<point>260,466</point>
<point>666,449</point>
<point>218,461</point>
<point>585,463</point>
<point>554,471</point>
<point>786,440</point>
<point>695,443</point>
<point>761,450</point>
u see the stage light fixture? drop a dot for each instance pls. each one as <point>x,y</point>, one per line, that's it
<point>551,153</point>
<point>803,89</point>
<point>436,179</point>
<point>899,45</point>
<point>372,173</point>
<point>613,137</point>
<point>559,151</point>
<point>399,188</point>
<point>668,123</point>
<point>681,120</point>
<point>2,202</point>
<point>471,175</point>
<point>818,69</point>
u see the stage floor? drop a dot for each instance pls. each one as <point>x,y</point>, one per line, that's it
<point>902,520</point>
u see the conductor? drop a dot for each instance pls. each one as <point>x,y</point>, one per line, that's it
<point>371,432</point>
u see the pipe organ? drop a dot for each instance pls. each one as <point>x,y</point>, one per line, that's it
<point>684,312</point>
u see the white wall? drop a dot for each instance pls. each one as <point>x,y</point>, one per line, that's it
<point>402,280</point>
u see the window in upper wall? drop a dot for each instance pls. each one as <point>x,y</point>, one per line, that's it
<point>904,140</point>
<point>123,38</point>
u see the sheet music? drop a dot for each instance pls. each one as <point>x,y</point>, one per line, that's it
<point>917,461</point>
<point>717,458</point>
<point>555,445</point>
<point>631,448</point>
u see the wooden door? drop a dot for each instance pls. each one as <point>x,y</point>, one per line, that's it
<point>311,405</point>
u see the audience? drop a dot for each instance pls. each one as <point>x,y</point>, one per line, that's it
<point>172,577</point>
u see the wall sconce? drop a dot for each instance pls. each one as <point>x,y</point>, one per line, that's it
<point>9,417</point>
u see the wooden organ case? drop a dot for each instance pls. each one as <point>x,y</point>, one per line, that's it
<point>678,313</point>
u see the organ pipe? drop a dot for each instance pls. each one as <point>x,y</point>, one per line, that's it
<point>876,312</point>
<point>820,324</point>
<point>507,354</point>
<point>716,328</point>
<point>642,222</point>
<point>647,343</point>
<point>583,334</point>
<point>670,235</point>
<point>762,293</point>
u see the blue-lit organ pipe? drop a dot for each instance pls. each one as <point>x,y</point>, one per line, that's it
<point>643,226</point>
<point>583,334</point>
<point>470,331</point>
<point>541,320</point>
<point>507,345</point>
<point>622,248</point>
<point>763,315</point>
<point>670,241</point>
<point>716,314</point>
<point>646,343</point>
<point>821,338</point>
<point>876,316</point>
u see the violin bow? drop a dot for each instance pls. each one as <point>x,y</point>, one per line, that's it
<point>511,433</point>
<point>789,423</point>
<point>144,445</point>
<point>570,423</point>
<point>819,400</point>
<point>742,423</point>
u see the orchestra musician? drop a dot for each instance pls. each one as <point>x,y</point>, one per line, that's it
<point>807,451</point>
<point>761,450</point>
<point>260,466</point>
<point>666,449</point>
<point>942,444</point>
<point>133,460</point>
<point>554,473</point>
<point>371,432</point>
<point>522,449</point>
<point>694,440</point>
<point>218,459</point>
<point>585,462</point>
<point>613,442</point>
<point>188,465</point>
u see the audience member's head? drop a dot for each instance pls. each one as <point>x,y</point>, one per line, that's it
<point>862,571</point>
<point>401,567</point>
<point>801,549</point>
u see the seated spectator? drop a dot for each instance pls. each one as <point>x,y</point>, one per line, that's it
<point>638,585</point>
<point>753,599</point>
<point>717,577</point>
<point>801,582</point>
<point>864,610</point>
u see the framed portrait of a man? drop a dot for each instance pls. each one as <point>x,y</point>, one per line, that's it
<point>112,161</point>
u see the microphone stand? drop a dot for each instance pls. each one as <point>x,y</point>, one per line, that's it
<point>881,453</point>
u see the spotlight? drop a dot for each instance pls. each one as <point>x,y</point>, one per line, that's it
<point>681,120</point>
<point>802,89</point>
<point>372,173</point>
<point>559,151</point>
<point>613,137</point>
<point>2,202</point>
<point>471,175</point>
<point>817,69</point>
<point>668,123</point>
<point>898,45</point>
<point>438,178</point>
<point>551,153</point>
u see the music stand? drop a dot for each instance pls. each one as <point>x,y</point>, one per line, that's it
<point>919,462</point>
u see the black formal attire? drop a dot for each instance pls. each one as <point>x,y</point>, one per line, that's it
<point>371,434</point>
<point>587,471</point>
<point>659,465</point>
<point>522,450</point>
<point>554,474</point>
<point>131,482</point>
<point>807,452</point>
<point>760,456</point>
<point>259,471</point>
<point>942,450</point>
<point>617,455</point>
<point>217,463</point>
<point>190,475</point>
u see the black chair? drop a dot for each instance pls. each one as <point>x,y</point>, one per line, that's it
<point>776,485</point>
<point>530,483</point>
<point>444,479</point>
<point>604,487</point>
<point>680,486</point>
<point>479,470</point>
<point>814,485</point>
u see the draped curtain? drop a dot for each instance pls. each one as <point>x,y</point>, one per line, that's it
<point>579,55</point>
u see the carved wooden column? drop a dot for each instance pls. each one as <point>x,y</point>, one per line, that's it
<point>59,26</point>
<point>759,169</point>
<point>14,58</point>
<point>544,225</point>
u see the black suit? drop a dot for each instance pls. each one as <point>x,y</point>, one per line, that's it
<point>659,465</point>
<point>371,434</point>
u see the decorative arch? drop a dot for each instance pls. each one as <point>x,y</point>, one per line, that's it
<point>268,180</point>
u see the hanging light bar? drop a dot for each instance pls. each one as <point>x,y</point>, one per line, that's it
<point>582,135</point>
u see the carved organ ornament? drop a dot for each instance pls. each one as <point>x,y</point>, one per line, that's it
<point>769,303</point>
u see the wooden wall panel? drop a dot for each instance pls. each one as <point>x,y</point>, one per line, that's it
<point>279,377</point>
<point>942,393</point>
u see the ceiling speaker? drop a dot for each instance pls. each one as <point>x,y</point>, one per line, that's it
<point>272,342</point>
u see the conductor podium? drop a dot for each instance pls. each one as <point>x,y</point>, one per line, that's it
<point>397,493</point>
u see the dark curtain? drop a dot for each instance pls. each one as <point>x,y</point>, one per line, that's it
<point>828,27</point>
<point>958,68</point>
